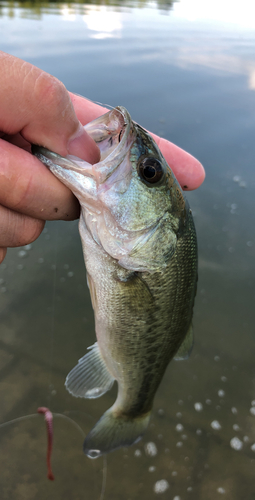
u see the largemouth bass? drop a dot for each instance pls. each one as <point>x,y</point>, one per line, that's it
<point>140,251</point>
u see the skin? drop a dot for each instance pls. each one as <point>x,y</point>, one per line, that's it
<point>36,108</point>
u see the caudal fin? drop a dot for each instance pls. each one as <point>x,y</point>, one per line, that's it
<point>112,432</point>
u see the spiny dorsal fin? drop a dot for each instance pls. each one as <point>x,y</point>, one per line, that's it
<point>90,377</point>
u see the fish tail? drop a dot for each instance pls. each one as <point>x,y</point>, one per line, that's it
<point>113,431</point>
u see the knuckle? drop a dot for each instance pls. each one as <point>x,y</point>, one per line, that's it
<point>50,93</point>
<point>30,231</point>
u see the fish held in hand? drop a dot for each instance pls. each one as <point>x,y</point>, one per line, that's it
<point>140,251</point>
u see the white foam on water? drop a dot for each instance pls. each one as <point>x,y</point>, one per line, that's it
<point>151,449</point>
<point>216,425</point>
<point>236,443</point>
<point>138,453</point>
<point>161,486</point>
<point>22,254</point>
<point>221,490</point>
<point>179,428</point>
<point>236,427</point>
<point>221,393</point>
<point>198,406</point>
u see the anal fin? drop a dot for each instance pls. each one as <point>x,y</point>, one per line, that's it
<point>186,346</point>
<point>90,378</point>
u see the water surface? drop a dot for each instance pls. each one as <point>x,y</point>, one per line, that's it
<point>186,71</point>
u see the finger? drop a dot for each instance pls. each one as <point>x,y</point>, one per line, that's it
<point>18,229</point>
<point>27,186</point>
<point>2,254</point>
<point>38,105</point>
<point>189,171</point>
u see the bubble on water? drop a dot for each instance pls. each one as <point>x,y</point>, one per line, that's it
<point>138,453</point>
<point>161,412</point>
<point>252,410</point>
<point>236,443</point>
<point>174,473</point>
<point>216,358</point>
<point>236,427</point>
<point>253,447</point>
<point>151,449</point>
<point>198,406</point>
<point>152,468</point>
<point>233,206</point>
<point>179,428</point>
<point>41,260</point>
<point>249,243</point>
<point>28,247</point>
<point>161,486</point>
<point>20,267</point>
<point>53,392</point>
<point>198,432</point>
<point>184,437</point>
<point>234,410</point>
<point>216,425</point>
<point>70,274</point>
<point>221,490</point>
<point>208,401</point>
<point>253,402</point>
<point>3,289</point>
<point>242,184</point>
<point>22,254</point>
<point>189,489</point>
<point>236,178</point>
<point>179,414</point>
<point>177,497</point>
<point>179,444</point>
<point>1,281</point>
<point>223,378</point>
<point>221,393</point>
<point>231,249</point>
<point>180,402</point>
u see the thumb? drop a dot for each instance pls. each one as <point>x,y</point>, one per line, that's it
<point>38,106</point>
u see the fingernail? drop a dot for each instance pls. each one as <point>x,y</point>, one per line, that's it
<point>83,146</point>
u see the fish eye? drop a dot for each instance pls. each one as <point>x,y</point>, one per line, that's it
<point>151,170</point>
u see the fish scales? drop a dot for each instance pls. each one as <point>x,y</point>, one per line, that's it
<point>140,251</point>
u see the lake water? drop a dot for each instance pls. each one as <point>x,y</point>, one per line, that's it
<point>184,70</point>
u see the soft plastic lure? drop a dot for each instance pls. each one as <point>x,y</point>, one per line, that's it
<point>48,417</point>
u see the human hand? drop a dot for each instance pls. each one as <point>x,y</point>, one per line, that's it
<point>36,108</point>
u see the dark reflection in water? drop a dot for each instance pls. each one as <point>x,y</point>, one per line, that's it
<point>189,77</point>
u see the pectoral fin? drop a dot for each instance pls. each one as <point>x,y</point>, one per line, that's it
<point>186,346</point>
<point>90,378</point>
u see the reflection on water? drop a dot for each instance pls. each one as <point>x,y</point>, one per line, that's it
<point>34,8</point>
<point>189,76</point>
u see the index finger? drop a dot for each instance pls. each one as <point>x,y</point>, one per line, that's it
<point>187,169</point>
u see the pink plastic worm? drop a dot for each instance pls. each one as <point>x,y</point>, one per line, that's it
<point>49,423</point>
